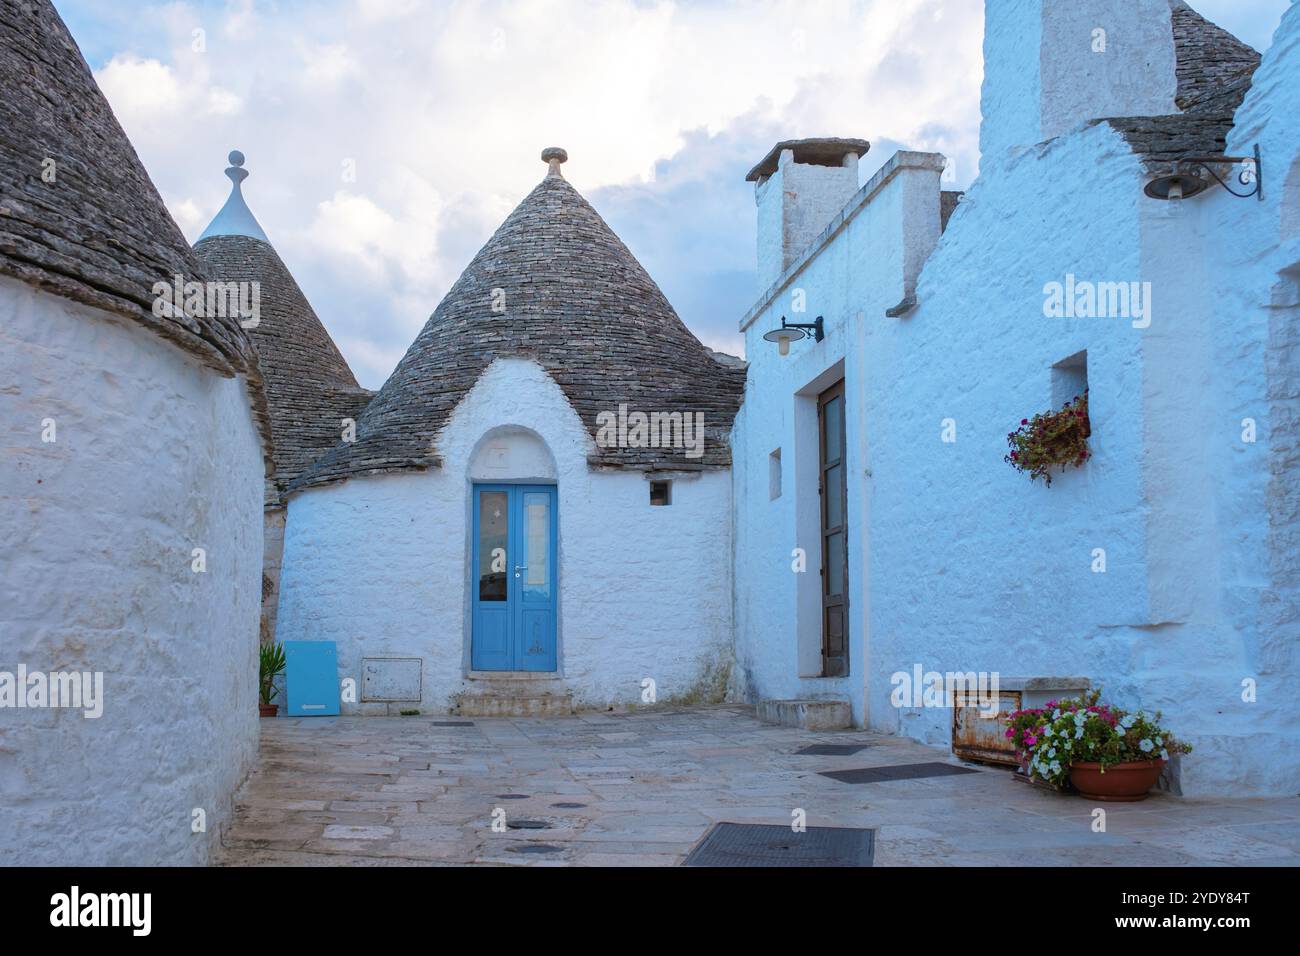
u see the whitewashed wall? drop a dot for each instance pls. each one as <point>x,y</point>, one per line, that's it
<point>380,564</point>
<point>1251,255</point>
<point>973,567</point>
<point>852,274</point>
<point>154,456</point>
<point>1199,594</point>
<point>1046,70</point>
<point>962,563</point>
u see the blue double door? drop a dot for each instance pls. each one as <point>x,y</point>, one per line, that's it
<point>514,578</point>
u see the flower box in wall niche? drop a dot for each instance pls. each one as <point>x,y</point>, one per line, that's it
<point>978,735</point>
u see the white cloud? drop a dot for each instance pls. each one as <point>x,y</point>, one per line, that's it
<point>443,110</point>
<point>141,90</point>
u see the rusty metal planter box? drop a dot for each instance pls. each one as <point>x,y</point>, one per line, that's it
<point>981,738</point>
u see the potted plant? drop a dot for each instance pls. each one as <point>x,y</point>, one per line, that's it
<point>1104,752</point>
<point>1023,730</point>
<point>271,666</point>
<point>1051,439</point>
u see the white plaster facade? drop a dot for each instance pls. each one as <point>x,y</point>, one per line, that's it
<point>1047,68</point>
<point>153,456</point>
<point>381,564</point>
<point>957,562</point>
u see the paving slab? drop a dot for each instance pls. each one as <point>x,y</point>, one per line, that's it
<point>405,791</point>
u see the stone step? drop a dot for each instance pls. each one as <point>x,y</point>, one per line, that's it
<point>807,714</point>
<point>514,705</point>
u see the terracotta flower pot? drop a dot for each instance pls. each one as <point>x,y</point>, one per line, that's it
<point>1124,782</point>
<point>268,710</point>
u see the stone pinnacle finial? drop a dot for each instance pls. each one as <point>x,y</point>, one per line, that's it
<point>235,170</point>
<point>553,156</point>
<point>235,218</point>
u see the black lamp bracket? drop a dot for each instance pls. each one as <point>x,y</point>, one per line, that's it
<point>1252,171</point>
<point>815,325</point>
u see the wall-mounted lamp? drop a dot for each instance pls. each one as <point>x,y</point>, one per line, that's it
<point>793,331</point>
<point>1186,180</point>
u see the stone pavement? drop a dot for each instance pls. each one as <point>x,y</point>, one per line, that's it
<point>644,787</point>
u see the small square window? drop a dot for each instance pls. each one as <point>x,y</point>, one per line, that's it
<point>774,475</point>
<point>661,492</point>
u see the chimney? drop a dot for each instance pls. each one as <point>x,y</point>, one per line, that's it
<point>1052,65</point>
<point>799,187</point>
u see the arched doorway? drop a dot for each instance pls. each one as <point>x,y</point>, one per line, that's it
<point>514,579</point>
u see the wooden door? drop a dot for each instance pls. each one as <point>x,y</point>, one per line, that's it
<point>833,489</point>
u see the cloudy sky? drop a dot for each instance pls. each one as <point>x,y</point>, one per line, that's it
<point>441,110</point>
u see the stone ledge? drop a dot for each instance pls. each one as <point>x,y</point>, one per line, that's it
<point>1043,683</point>
<point>807,714</point>
<point>514,705</point>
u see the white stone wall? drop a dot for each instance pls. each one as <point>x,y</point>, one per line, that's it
<point>272,557</point>
<point>862,269</point>
<point>154,456</point>
<point>1251,251</point>
<point>962,563</point>
<point>1047,70</point>
<point>380,564</point>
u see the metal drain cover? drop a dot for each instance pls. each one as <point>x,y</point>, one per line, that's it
<point>528,825</point>
<point>831,750</point>
<point>569,806</point>
<point>907,771</point>
<point>535,848</point>
<point>763,844</point>
<point>512,796</point>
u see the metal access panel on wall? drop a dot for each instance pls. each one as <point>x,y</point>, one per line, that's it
<point>391,678</point>
<point>311,678</point>
<point>980,735</point>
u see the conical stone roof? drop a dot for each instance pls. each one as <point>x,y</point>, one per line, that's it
<point>310,388</point>
<point>575,301</point>
<point>79,216</point>
<point>1214,71</point>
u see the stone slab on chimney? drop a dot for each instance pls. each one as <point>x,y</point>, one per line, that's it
<point>799,187</point>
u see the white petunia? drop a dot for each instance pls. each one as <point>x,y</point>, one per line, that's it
<point>1146,745</point>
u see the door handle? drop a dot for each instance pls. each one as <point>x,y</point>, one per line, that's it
<point>520,567</point>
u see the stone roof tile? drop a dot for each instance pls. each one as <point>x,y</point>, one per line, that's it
<point>310,388</point>
<point>1214,71</point>
<point>575,301</point>
<point>97,232</point>
<point>79,216</point>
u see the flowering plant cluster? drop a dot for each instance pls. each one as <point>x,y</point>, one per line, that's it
<point>1051,439</point>
<point>1084,730</point>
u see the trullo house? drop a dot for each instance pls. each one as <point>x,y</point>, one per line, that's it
<point>534,512</point>
<point>134,442</point>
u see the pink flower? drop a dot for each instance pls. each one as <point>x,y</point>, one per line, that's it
<point>1030,740</point>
